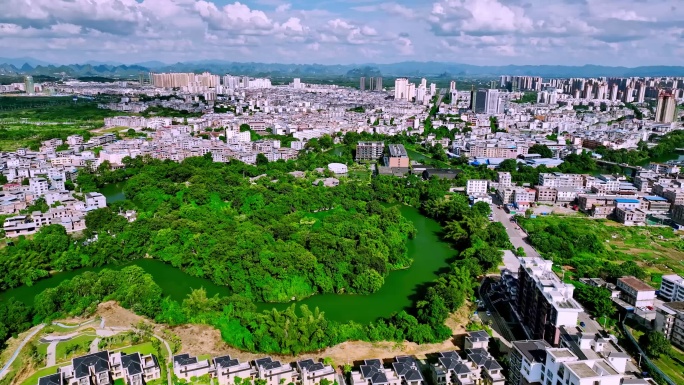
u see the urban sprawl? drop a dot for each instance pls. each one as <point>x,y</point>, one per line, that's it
<point>231,114</point>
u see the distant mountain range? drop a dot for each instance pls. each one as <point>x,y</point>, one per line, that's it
<point>31,66</point>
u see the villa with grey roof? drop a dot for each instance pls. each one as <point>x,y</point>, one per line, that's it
<point>103,368</point>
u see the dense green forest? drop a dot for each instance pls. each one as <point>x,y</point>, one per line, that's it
<point>53,109</point>
<point>266,239</point>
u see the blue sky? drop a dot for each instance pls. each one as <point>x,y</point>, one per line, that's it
<point>486,32</point>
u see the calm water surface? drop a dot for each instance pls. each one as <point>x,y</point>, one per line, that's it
<point>429,255</point>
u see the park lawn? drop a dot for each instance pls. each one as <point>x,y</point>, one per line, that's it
<point>671,368</point>
<point>82,340</point>
<point>33,380</point>
<point>42,348</point>
<point>144,348</point>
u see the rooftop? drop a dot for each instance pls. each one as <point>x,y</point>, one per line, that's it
<point>635,283</point>
<point>626,200</point>
<point>533,351</point>
<point>561,353</point>
<point>397,150</point>
<point>98,361</point>
<point>676,306</point>
<point>582,370</point>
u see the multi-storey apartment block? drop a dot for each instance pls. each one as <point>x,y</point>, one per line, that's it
<point>369,150</point>
<point>544,303</point>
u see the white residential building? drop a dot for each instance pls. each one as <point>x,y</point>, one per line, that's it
<point>38,186</point>
<point>275,373</point>
<point>186,367</point>
<point>227,369</point>
<point>312,373</point>
<point>476,187</point>
<point>672,287</point>
<point>537,362</point>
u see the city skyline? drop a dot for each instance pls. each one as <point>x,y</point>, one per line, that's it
<point>487,32</point>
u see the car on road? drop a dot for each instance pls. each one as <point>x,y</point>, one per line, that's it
<point>489,313</point>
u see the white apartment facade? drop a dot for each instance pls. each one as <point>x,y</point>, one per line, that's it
<point>672,287</point>
<point>476,187</point>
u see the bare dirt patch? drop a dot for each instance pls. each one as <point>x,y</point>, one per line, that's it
<point>115,315</point>
<point>203,339</point>
<point>200,339</point>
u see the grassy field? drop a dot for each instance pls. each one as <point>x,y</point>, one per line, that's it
<point>25,121</point>
<point>671,368</point>
<point>144,348</point>
<point>77,345</point>
<point>658,250</point>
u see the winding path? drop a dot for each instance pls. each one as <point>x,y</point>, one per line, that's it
<point>72,326</point>
<point>168,350</point>
<point>38,328</point>
<point>100,332</point>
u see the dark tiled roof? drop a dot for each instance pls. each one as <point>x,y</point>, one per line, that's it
<point>132,363</point>
<point>375,362</point>
<point>267,363</point>
<point>263,361</point>
<point>225,361</point>
<point>534,351</point>
<point>305,364</point>
<point>449,362</point>
<point>53,379</point>
<point>479,335</point>
<point>374,373</point>
<point>478,359</point>
<point>184,359</point>
<point>461,368</point>
<point>408,370</point>
<point>379,378</point>
<point>99,361</point>
<point>407,359</point>
<point>451,354</point>
<point>368,370</point>
<point>316,366</point>
<point>491,364</point>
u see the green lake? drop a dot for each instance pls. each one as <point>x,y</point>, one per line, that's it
<point>429,255</point>
<point>113,192</point>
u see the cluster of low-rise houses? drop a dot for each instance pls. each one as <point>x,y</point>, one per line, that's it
<point>473,364</point>
<point>656,193</point>
<point>35,175</point>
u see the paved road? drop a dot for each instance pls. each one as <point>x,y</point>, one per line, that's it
<point>94,346</point>
<point>518,237</point>
<point>5,368</point>
<point>51,356</point>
